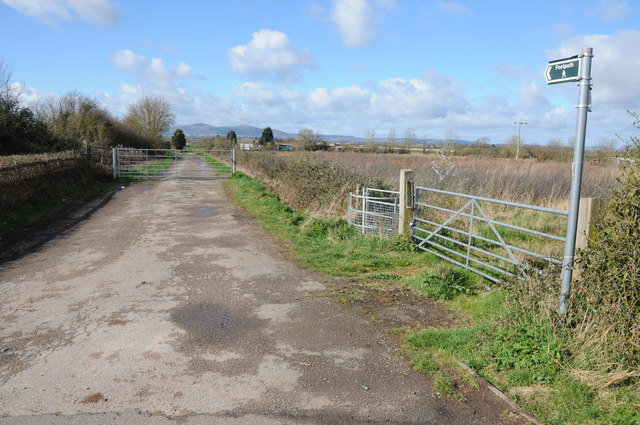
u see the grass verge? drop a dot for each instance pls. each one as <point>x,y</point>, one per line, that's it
<point>525,357</point>
<point>329,246</point>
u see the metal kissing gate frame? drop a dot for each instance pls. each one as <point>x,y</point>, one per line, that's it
<point>375,211</point>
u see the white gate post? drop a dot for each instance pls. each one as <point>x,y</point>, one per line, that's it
<point>114,161</point>
<point>233,162</point>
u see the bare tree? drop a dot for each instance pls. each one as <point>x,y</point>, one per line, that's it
<point>9,94</point>
<point>75,117</point>
<point>390,144</point>
<point>150,116</point>
<point>450,138</point>
<point>370,141</point>
<point>408,139</point>
<point>311,141</point>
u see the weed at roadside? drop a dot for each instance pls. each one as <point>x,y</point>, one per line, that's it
<point>445,282</point>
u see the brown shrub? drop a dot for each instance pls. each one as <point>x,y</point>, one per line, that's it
<point>305,182</point>
<point>29,178</point>
<point>320,181</point>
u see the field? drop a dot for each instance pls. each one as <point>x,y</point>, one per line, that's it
<point>541,183</point>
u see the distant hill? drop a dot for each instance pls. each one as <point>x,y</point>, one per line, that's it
<point>199,130</point>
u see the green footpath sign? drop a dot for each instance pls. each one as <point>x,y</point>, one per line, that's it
<point>563,70</point>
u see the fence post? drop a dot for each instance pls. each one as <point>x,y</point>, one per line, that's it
<point>233,161</point>
<point>406,200</point>
<point>114,156</point>
<point>591,210</point>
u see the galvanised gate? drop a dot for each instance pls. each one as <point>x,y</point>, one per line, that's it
<point>173,163</point>
<point>493,238</point>
<point>496,239</point>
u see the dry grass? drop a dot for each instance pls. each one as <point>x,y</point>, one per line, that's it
<point>542,183</point>
<point>602,380</point>
<point>306,182</point>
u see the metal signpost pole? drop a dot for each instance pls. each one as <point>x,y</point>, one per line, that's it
<point>583,107</point>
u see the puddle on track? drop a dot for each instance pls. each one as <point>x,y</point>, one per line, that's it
<point>203,211</point>
<point>210,323</point>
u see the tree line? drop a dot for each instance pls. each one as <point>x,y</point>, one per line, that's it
<point>74,121</point>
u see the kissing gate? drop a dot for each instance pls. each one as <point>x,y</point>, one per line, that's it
<point>173,163</point>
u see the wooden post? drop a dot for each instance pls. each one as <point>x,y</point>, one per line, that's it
<point>406,201</point>
<point>591,210</point>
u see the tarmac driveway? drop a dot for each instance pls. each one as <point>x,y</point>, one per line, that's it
<point>167,306</point>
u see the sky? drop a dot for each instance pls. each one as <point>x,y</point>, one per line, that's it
<point>434,68</point>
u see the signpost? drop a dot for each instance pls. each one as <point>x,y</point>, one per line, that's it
<point>563,70</point>
<point>575,68</point>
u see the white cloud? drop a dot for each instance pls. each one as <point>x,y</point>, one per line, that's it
<point>453,7</point>
<point>393,102</point>
<point>150,72</point>
<point>28,95</point>
<point>434,95</point>
<point>270,54</point>
<point>183,70</point>
<point>616,80</point>
<point>128,61</point>
<point>431,103</point>
<point>355,22</point>
<point>53,12</point>
<point>340,100</point>
<point>531,98</point>
<point>261,94</point>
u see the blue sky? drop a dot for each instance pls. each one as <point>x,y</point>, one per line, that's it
<point>436,68</point>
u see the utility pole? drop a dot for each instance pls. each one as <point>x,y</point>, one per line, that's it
<point>519,124</point>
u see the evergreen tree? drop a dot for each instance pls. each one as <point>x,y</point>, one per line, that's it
<point>178,140</point>
<point>267,137</point>
<point>232,137</point>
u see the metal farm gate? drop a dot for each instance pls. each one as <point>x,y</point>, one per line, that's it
<point>173,163</point>
<point>496,239</point>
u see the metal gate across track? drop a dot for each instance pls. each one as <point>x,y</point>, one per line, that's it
<point>173,163</point>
